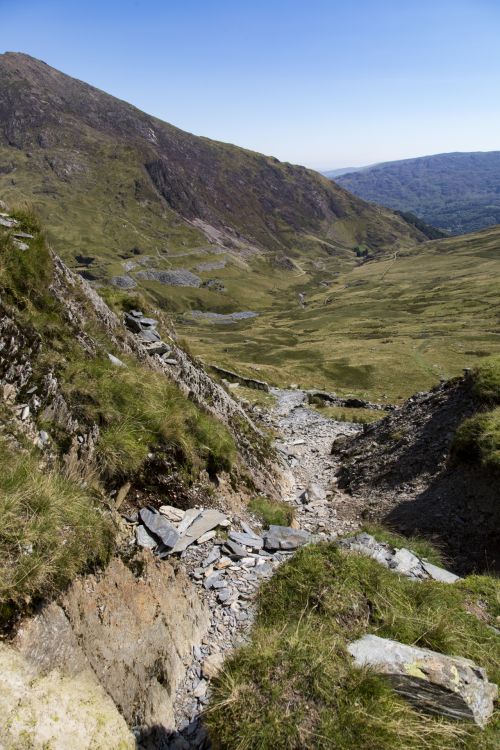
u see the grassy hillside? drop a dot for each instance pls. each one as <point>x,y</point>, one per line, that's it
<point>294,685</point>
<point>386,327</point>
<point>104,174</point>
<point>458,192</point>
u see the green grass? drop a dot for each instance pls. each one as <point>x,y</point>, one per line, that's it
<point>477,439</point>
<point>271,512</point>
<point>50,529</point>
<point>487,380</point>
<point>136,409</point>
<point>294,686</point>
<point>356,416</point>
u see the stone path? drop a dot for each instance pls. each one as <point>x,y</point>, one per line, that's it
<point>228,584</point>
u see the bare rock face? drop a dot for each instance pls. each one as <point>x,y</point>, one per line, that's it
<point>127,637</point>
<point>137,633</point>
<point>445,685</point>
<point>49,709</point>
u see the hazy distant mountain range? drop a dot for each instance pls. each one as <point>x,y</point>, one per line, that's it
<point>456,192</point>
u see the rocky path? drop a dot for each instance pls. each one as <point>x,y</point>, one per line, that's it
<point>229,583</point>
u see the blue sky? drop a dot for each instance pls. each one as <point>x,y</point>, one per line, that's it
<point>318,82</point>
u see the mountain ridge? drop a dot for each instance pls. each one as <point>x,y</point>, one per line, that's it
<point>458,192</point>
<point>75,130</point>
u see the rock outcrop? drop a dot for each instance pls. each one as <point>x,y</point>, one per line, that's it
<point>445,685</point>
<point>402,473</point>
<point>127,631</point>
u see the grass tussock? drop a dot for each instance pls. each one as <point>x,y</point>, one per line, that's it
<point>271,512</point>
<point>294,686</point>
<point>137,409</point>
<point>486,378</point>
<point>477,439</point>
<point>50,530</point>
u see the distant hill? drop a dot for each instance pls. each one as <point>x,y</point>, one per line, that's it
<point>333,173</point>
<point>457,192</point>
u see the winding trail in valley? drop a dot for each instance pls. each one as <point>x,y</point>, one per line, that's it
<point>304,443</point>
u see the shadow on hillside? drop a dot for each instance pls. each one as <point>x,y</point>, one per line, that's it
<point>460,509</point>
<point>157,737</point>
<point>431,442</point>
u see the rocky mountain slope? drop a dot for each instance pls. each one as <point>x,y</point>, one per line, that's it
<point>98,167</point>
<point>457,192</point>
<point>407,474</point>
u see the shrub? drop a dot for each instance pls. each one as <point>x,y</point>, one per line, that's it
<point>271,512</point>
<point>50,530</point>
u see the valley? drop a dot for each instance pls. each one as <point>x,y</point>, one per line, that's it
<point>250,444</point>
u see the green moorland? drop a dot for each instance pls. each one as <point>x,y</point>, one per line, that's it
<point>51,524</point>
<point>381,329</point>
<point>294,685</point>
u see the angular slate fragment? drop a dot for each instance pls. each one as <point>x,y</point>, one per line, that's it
<point>144,538</point>
<point>234,550</point>
<point>206,521</point>
<point>132,323</point>
<point>247,540</point>
<point>284,537</point>
<point>158,525</point>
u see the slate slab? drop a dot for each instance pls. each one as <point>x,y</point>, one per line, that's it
<point>435,683</point>
<point>247,540</point>
<point>144,538</point>
<point>205,521</point>
<point>284,537</point>
<point>158,526</point>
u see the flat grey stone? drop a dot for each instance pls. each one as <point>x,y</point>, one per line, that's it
<point>148,322</point>
<point>144,539</point>
<point>211,580</point>
<point>212,557</point>
<point>132,323</point>
<point>158,525</point>
<point>233,549</point>
<point>205,521</point>
<point>439,574</point>
<point>284,537</point>
<point>437,684</point>
<point>246,540</point>
<point>156,347</point>
<point>150,336</point>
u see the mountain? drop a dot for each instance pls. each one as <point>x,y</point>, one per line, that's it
<point>100,170</point>
<point>333,173</point>
<point>457,192</point>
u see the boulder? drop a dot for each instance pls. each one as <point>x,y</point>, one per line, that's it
<point>284,537</point>
<point>158,526</point>
<point>448,686</point>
